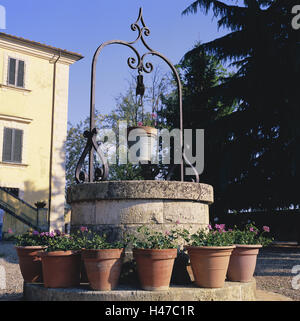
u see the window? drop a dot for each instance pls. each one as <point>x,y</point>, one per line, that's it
<point>16,70</point>
<point>12,145</point>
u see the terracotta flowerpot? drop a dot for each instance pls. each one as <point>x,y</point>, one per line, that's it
<point>155,267</point>
<point>103,268</point>
<point>242,263</point>
<point>61,269</point>
<point>209,264</point>
<point>147,141</point>
<point>30,263</point>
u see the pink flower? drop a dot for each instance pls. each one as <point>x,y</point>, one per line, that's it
<point>140,123</point>
<point>251,229</point>
<point>153,115</point>
<point>10,231</point>
<point>220,226</point>
<point>266,228</point>
<point>83,229</point>
<point>167,233</point>
<point>51,234</point>
<point>209,227</point>
<point>177,222</point>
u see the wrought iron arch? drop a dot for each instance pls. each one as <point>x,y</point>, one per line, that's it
<point>139,63</point>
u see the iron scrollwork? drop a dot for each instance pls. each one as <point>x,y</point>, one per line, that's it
<point>136,63</point>
<point>100,173</point>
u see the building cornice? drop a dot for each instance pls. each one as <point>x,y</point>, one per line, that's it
<point>37,50</point>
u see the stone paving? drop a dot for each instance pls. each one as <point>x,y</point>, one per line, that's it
<point>274,270</point>
<point>270,296</point>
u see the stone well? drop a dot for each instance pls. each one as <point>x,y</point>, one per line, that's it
<point>115,207</point>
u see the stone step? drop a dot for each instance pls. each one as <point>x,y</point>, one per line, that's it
<point>232,291</point>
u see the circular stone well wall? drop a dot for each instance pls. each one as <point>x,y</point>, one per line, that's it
<point>115,207</point>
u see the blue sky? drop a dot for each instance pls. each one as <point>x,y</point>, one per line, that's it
<point>81,26</point>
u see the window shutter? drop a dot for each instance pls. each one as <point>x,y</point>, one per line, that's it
<point>21,68</point>
<point>12,71</point>
<point>7,145</point>
<point>18,145</point>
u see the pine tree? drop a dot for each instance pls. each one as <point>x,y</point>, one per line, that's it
<point>199,72</point>
<point>259,154</point>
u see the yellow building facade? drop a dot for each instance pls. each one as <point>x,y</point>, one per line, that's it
<point>34,81</point>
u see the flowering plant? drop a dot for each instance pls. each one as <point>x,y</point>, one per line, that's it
<point>251,235</point>
<point>213,236</point>
<point>31,238</point>
<point>146,239</point>
<point>58,241</point>
<point>87,239</point>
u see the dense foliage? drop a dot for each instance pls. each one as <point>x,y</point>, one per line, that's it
<point>151,239</point>
<point>31,238</point>
<point>90,240</point>
<point>251,235</point>
<point>199,73</point>
<point>58,241</point>
<point>255,147</point>
<point>216,236</point>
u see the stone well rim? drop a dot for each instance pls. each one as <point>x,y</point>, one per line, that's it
<point>142,189</point>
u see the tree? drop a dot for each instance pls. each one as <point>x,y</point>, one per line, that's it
<point>258,152</point>
<point>199,73</point>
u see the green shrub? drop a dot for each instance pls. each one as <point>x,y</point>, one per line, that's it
<point>146,239</point>
<point>87,239</point>
<point>31,238</point>
<point>216,236</point>
<point>251,235</point>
